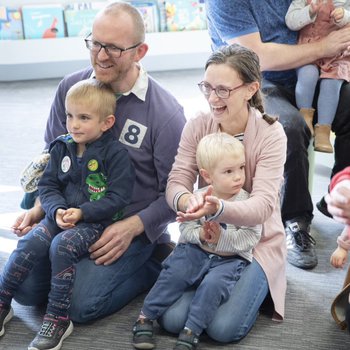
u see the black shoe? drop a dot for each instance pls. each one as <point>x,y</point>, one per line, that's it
<point>322,207</point>
<point>52,333</point>
<point>143,334</point>
<point>187,340</point>
<point>5,316</point>
<point>300,245</point>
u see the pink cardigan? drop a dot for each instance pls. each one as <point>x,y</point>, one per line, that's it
<point>265,151</point>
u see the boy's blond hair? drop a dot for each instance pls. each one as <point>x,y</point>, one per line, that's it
<point>214,147</point>
<point>93,93</point>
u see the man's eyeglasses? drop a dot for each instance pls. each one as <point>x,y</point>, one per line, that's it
<point>220,91</point>
<point>111,50</point>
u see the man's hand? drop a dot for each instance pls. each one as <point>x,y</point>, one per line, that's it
<point>335,42</point>
<point>27,220</point>
<point>115,240</point>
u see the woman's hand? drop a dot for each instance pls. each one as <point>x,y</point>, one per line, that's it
<point>199,205</point>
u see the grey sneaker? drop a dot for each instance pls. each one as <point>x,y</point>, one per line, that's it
<point>187,340</point>
<point>300,245</point>
<point>5,316</point>
<point>143,334</point>
<point>53,331</point>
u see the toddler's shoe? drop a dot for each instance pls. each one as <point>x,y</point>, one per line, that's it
<point>53,331</point>
<point>5,316</point>
<point>143,334</point>
<point>187,340</point>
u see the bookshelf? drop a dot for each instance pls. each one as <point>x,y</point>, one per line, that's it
<point>53,58</point>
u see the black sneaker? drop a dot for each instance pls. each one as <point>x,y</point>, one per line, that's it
<point>322,207</point>
<point>5,316</point>
<point>143,334</point>
<point>300,245</point>
<point>187,340</point>
<point>53,331</point>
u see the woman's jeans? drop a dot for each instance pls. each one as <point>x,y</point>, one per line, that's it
<point>98,290</point>
<point>234,318</point>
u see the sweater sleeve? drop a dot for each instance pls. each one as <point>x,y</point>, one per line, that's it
<point>298,15</point>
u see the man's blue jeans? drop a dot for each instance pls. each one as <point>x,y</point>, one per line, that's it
<point>234,318</point>
<point>98,290</point>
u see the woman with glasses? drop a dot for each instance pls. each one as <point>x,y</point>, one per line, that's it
<point>231,86</point>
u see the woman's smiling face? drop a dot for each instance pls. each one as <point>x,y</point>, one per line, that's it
<point>224,110</point>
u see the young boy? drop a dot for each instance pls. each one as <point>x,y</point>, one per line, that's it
<point>85,186</point>
<point>210,255</point>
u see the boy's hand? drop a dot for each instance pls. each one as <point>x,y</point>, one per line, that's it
<point>315,7</point>
<point>60,220</point>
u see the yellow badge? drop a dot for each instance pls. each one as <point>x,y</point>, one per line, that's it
<point>93,165</point>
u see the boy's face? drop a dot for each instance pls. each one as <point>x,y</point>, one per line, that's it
<point>228,176</point>
<point>84,123</point>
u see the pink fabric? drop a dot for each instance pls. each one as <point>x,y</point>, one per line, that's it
<point>335,67</point>
<point>265,151</point>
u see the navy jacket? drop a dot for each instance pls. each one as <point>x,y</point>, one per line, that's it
<point>101,186</point>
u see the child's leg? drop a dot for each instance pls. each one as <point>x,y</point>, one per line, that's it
<point>31,248</point>
<point>183,268</point>
<point>328,100</point>
<point>327,106</point>
<point>305,88</point>
<point>65,251</point>
<point>214,290</point>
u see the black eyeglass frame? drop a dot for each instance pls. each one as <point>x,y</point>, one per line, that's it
<point>204,83</point>
<point>107,47</point>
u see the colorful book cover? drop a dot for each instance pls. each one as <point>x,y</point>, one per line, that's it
<point>80,16</point>
<point>149,12</point>
<point>43,21</point>
<point>10,23</point>
<point>185,15</point>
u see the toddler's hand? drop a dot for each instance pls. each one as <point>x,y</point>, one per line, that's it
<point>337,14</point>
<point>339,258</point>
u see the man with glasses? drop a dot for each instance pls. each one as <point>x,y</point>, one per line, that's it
<point>260,26</point>
<point>124,262</point>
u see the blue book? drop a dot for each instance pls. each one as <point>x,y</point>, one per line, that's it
<point>80,16</point>
<point>10,23</point>
<point>185,15</point>
<point>43,21</point>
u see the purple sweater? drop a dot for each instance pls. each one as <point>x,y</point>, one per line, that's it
<point>151,131</point>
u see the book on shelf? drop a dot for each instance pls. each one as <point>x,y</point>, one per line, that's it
<point>185,15</point>
<point>149,12</point>
<point>43,21</point>
<point>80,16</point>
<point>10,23</point>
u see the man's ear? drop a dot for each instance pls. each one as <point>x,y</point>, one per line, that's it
<point>141,51</point>
<point>108,122</point>
<point>205,175</point>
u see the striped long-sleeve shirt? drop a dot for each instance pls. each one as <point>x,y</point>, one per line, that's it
<point>234,240</point>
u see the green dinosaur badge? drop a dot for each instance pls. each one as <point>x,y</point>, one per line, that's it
<point>97,186</point>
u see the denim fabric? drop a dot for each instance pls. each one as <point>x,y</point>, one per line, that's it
<point>64,249</point>
<point>234,318</point>
<point>296,199</point>
<point>98,290</point>
<point>187,266</point>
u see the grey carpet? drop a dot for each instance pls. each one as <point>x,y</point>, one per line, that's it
<point>308,324</point>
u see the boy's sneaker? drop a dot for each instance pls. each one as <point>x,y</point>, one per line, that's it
<point>187,340</point>
<point>53,331</point>
<point>5,316</point>
<point>143,334</point>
